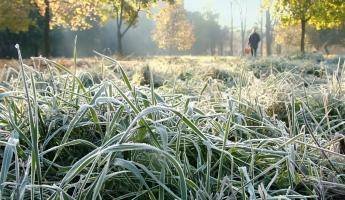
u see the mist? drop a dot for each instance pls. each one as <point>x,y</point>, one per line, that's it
<point>211,39</point>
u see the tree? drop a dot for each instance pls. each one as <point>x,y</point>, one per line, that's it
<point>173,31</point>
<point>262,33</point>
<point>224,36</point>
<point>326,37</point>
<point>243,20</point>
<point>297,10</point>
<point>267,7</point>
<point>320,13</point>
<point>73,14</point>
<point>19,15</point>
<point>126,13</point>
<point>14,16</point>
<point>286,38</point>
<point>207,31</point>
<point>231,30</point>
<point>269,36</point>
<point>214,31</point>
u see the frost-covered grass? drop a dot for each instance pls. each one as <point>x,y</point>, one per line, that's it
<point>217,128</point>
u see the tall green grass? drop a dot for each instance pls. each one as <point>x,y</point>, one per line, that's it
<point>114,140</point>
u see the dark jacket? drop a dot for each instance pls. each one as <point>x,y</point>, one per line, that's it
<point>254,40</point>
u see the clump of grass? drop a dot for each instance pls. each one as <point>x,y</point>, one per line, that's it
<point>219,74</point>
<point>143,77</point>
<point>264,67</point>
<point>114,140</point>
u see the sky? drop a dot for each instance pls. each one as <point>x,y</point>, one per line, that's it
<point>222,7</point>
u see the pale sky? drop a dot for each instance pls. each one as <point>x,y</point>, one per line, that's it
<point>222,7</point>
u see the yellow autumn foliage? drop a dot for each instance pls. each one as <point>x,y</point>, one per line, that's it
<point>319,13</point>
<point>173,31</point>
<point>74,14</point>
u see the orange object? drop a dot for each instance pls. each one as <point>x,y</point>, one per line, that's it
<point>247,50</point>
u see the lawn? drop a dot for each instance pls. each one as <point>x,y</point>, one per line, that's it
<point>172,128</point>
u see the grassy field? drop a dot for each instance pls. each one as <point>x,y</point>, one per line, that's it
<point>172,128</point>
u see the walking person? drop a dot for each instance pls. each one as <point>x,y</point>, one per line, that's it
<point>254,40</point>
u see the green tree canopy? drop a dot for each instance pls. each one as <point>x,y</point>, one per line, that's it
<point>326,38</point>
<point>319,13</point>
<point>15,15</point>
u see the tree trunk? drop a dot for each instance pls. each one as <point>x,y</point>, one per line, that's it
<point>244,20</point>
<point>221,49</point>
<point>303,25</point>
<point>213,51</point>
<point>36,50</point>
<point>119,42</point>
<point>242,42</point>
<point>231,32</point>
<point>243,31</point>
<point>46,33</point>
<point>279,49</point>
<point>232,42</point>
<point>262,33</point>
<point>268,34</point>
<point>326,49</point>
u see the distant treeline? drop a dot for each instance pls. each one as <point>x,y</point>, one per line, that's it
<point>210,39</point>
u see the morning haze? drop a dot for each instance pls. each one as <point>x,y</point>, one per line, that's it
<point>172,99</point>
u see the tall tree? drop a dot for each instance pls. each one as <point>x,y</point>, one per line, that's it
<point>173,30</point>
<point>15,16</point>
<point>242,5</point>
<point>285,38</point>
<point>46,28</point>
<point>262,33</point>
<point>224,36</point>
<point>126,13</point>
<point>231,30</point>
<point>267,8</point>
<point>213,35</point>
<point>326,38</point>
<point>321,13</point>
<point>73,14</point>
<point>207,32</point>
<point>18,15</point>
<point>269,35</point>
